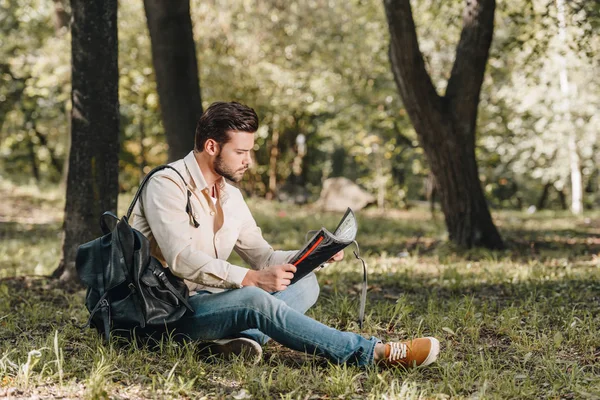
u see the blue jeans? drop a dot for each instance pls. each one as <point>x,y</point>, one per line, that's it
<point>254,313</point>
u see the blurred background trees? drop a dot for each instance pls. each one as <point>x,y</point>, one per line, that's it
<point>318,74</point>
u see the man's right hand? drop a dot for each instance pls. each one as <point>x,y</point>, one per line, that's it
<point>271,279</point>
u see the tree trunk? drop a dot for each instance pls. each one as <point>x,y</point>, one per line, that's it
<point>142,146</point>
<point>61,16</point>
<point>541,204</point>
<point>562,197</point>
<point>92,180</point>
<point>176,68</point>
<point>430,191</point>
<point>571,131</point>
<point>44,142</point>
<point>446,125</point>
<point>34,167</point>
<point>274,154</point>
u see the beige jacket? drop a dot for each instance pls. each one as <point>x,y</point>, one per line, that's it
<point>199,255</point>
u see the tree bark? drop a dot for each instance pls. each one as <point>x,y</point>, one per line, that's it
<point>176,68</point>
<point>445,125</point>
<point>92,179</point>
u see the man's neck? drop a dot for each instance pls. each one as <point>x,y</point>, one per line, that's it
<point>209,174</point>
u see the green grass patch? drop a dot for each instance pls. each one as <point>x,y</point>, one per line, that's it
<point>520,323</point>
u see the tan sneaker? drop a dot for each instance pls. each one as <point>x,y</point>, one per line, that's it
<point>412,353</point>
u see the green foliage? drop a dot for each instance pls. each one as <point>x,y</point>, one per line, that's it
<point>525,117</point>
<point>35,73</point>
<point>307,70</point>
<point>320,69</point>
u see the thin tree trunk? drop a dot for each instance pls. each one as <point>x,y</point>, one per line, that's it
<point>142,148</point>
<point>446,125</point>
<point>541,204</point>
<point>92,181</point>
<point>61,16</point>
<point>381,179</point>
<point>597,189</point>
<point>273,165</point>
<point>176,68</point>
<point>430,191</point>
<point>562,196</point>
<point>53,160</point>
<point>574,162</point>
<point>34,167</point>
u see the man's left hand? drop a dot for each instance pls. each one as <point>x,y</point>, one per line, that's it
<point>339,256</point>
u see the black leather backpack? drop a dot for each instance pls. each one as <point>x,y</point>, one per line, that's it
<point>127,287</point>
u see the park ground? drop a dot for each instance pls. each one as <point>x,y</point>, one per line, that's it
<point>521,323</point>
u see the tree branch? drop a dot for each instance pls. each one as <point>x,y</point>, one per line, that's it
<point>472,53</point>
<point>406,58</point>
<point>402,138</point>
<point>53,160</point>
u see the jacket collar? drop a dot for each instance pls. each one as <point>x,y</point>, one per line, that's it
<point>198,179</point>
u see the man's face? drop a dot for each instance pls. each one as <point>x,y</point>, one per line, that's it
<point>234,158</point>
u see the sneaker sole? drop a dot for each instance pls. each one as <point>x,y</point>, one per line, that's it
<point>238,347</point>
<point>434,351</point>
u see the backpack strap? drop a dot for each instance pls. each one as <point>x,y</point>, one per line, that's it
<point>188,207</point>
<point>103,306</point>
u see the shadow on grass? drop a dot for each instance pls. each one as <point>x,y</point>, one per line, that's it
<point>570,241</point>
<point>545,297</point>
<point>28,233</point>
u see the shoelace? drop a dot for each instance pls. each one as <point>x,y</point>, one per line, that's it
<point>398,351</point>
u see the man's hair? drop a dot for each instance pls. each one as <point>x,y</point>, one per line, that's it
<point>221,117</point>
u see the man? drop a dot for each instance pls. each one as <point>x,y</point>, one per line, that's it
<point>242,308</point>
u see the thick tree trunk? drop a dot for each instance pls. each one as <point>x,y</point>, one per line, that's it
<point>446,125</point>
<point>92,180</point>
<point>176,68</point>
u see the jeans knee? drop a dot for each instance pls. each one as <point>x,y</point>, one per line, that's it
<point>257,299</point>
<point>310,288</point>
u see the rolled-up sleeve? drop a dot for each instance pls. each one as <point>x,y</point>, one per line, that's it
<point>164,201</point>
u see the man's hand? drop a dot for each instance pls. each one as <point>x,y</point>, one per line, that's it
<point>271,279</point>
<point>339,256</point>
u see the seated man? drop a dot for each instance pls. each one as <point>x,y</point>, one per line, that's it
<point>248,305</point>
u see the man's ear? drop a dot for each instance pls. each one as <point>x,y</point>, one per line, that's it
<point>211,147</point>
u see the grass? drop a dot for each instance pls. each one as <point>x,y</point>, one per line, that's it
<point>521,323</point>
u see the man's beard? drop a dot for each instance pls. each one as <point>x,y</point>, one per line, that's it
<point>228,173</point>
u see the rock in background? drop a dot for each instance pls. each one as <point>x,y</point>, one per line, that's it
<point>340,193</point>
